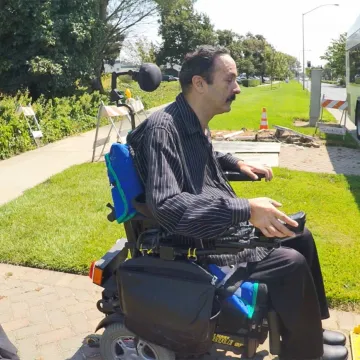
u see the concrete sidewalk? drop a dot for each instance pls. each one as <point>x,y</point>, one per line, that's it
<point>48,315</point>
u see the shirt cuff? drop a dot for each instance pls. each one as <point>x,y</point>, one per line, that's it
<point>240,209</point>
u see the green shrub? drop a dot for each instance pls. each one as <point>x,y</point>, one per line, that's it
<point>126,79</point>
<point>66,116</point>
<point>342,82</point>
<point>251,82</point>
<point>58,118</point>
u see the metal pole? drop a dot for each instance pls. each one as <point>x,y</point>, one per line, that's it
<point>303,36</point>
<point>97,130</point>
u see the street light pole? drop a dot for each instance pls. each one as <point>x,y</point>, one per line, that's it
<point>303,36</point>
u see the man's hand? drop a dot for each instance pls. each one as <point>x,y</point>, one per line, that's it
<point>265,216</point>
<point>251,171</point>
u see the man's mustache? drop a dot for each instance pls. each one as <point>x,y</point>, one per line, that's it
<point>231,98</point>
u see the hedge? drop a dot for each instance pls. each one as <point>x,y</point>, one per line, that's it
<point>58,118</point>
<point>61,117</point>
<point>251,82</point>
<point>329,81</point>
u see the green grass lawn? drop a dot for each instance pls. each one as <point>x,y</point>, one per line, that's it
<point>284,103</point>
<point>62,225</point>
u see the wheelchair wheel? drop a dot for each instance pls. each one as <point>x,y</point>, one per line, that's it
<point>118,343</point>
<point>251,348</point>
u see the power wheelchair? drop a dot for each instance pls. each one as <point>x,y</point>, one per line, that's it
<point>228,329</point>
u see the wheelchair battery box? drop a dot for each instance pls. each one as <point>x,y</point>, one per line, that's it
<point>169,303</point>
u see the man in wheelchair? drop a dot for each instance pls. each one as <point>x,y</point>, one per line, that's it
<point>188,195</point>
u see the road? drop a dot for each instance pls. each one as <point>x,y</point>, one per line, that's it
<point>330,91</point>
<point>333,92</point>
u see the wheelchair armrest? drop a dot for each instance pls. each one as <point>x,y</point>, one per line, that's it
<point>239,176</point>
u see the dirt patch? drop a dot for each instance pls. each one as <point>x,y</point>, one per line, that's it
<point>301,123</point>
<point>243,135</point>
<point>279,134</point>
<point>300,154</point>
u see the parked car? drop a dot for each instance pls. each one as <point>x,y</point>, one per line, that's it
<point>240,78</point>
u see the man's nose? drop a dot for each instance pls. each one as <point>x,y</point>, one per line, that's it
<point>237,90</point>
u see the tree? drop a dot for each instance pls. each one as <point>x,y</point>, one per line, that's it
<point>115,19</point>
<point>51,46</point>
<point>182,30</point>
<point>327,73</point>
<point>227,38</point>
<point>335,56</point>
<point>233,42</point>
<point>255,59</point>
<point>46,46</point>
<point>139,51</point>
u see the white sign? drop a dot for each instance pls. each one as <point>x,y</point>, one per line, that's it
<point>332,130</point>
<point>37,134</point>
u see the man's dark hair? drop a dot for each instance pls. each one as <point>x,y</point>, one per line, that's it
<point>200,62</point>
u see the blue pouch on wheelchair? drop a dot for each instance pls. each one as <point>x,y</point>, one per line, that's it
<point>244,298</point>
<point>125,182</point>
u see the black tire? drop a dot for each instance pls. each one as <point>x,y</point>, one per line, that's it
<point>251,348</point>
<point>111,349</point>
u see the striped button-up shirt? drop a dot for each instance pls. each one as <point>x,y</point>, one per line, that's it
<point>185,188</point>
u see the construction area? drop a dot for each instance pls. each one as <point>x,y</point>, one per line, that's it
<point>262,146</point>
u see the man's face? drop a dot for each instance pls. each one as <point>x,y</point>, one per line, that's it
<point>224,88</point>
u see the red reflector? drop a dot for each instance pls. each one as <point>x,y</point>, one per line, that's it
<point>91,270</point>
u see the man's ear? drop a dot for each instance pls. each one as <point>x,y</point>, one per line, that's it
<point>198,83</point>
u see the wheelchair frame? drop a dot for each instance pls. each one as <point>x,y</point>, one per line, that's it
<point>102,273</point>
<point>253,334</point>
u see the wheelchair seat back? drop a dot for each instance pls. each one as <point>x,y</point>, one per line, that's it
<point>124,180</point>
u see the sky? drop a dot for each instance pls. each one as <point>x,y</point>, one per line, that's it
<point>280,21</point>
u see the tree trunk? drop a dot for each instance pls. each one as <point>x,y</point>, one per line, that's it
<point>97,84</point>
<point>103,9</point>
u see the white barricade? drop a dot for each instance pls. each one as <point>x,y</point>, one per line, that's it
<point>30,117</point>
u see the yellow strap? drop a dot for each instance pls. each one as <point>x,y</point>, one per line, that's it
<point>193,255</point>
<point>149,251</point>
<point>129,256</point>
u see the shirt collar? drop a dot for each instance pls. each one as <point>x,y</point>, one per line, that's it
<point>188,117</point>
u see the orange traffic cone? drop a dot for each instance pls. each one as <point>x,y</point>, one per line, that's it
<point>264,122</point>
